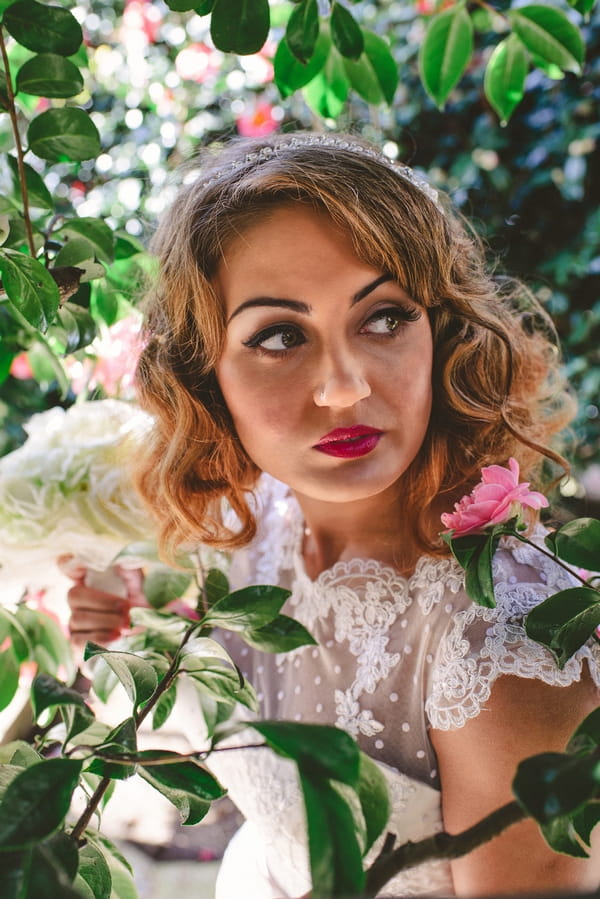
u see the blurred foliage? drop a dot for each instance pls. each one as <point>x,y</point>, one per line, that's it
<point>156,89</point>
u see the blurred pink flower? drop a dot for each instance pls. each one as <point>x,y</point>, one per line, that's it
<point>498,497</point>
<point>20,367</point>
<point>113,363</point>
<point>196,62</point>
<point>258,122</point>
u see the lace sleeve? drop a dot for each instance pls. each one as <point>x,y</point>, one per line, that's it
<point>480,644</point>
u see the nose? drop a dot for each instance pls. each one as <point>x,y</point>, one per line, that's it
<point>342,386</point>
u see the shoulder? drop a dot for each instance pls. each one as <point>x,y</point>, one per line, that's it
<point>477,645</point>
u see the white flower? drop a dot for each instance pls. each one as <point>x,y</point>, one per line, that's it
<point>68,489</point>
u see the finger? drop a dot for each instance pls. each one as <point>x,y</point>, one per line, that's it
<point>80,638</point>
<point>134,580</point>
<point>81,597</point>
<point>71,567</point>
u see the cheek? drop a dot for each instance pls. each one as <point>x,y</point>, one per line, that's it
<point>258,409</point>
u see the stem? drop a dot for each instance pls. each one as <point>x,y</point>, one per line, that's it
<point>12,111</point>
<point>441,846</point>
<point>162,687</point>
<point>554,558</point>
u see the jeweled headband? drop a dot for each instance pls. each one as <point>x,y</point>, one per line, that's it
<point>322,140</point>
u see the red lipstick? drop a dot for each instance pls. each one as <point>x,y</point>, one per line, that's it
<point>349,443</point>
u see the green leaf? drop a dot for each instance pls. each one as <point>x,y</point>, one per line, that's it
<point>224,685</point>
<point>49,75</point>
<point>290,74</point>
<point>346,33</point>
<point>561,835</point>
<point>9,677</point>
<point>191,809</point>
<point>37,192</point>
<point>164,585</point>
<point>583,6</point>
<point>504,80</point>
<point>585,820</point>
<point>335,856</point>
<point>375,75</point>
<point>552,784</point>
<point>216,587</point>
<point>320,751</point>
<point>95,231</point>
<point>587,736</point>
<point>548,33</point>
<point>46,692</point>
<point>474,552</point>
<point>18,753</point>
<point>30,288</point>
<point>36,802</point>
<point>182,5</point>
<point>302,30</point>
<point>164,707</point>
<point>374,798</point>
<point>565,621</point>
<point>74,327</point>
<point>42,28</point>
<point>577,542</point>
<point>247,608</point>
<point>328,91</point>
<point>64,133</point>
<point>137,675</point>
<point>446,51</point>
<point>44,871</point>
<point>121,741</point>
<point>240,26</point>
<point>280,635</point>
<point>94,870</point>
<point>187,776</point>
<point>204,7</point>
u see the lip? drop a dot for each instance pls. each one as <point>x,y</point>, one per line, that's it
<point>349,443</point>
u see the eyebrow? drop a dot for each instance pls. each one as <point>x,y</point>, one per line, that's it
<point>305,308</point>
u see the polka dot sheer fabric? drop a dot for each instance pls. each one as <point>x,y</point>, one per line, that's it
<point>395,658</point>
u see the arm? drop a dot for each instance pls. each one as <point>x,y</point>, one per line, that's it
<point>477,764</point>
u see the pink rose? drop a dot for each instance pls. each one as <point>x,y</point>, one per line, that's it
<point>497,498</point>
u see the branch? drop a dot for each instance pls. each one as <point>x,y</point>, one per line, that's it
<point>12,111</point>
<point>441,846</point>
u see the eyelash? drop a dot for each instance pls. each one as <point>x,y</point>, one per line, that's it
<point>404,315</point>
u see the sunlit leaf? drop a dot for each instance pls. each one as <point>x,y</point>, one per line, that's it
<point>328,91</point>
<point>36,802</point>
<point>280,635</point>
<point>446,51</point>
<point>37,192</point>
<point>290,74</point>
<point>504,80</point>
<point>240,26</point>
<point>163,585</point>
<point>74,327</point>
<point>9,677</point>
<point>136,674</point>
<point>375,74</point>
<point>30,287</point>
<point>346,33</point>
<point>335,856</point>
<point>43,28</point>
<point>302,30</point>
<point>49,75</point>
<point>95,231</point>
<point>94,870</point>
<point>565,621</point>
<point>577,542</point>
<point>320,751</point>
<point>249,607</point>
<point>64,133</point>
<point>548,33</point>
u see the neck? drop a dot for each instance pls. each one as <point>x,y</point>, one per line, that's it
<point>371,528</point>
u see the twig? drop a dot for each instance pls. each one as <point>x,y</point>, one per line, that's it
<point>441,846</point>
<point>12,111</point>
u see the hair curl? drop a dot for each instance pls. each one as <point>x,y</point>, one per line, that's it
<point>497,388</point>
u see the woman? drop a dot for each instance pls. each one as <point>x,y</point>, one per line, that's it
<point>330,366</point>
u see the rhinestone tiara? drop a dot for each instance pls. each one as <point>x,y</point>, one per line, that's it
<point>322,140</point>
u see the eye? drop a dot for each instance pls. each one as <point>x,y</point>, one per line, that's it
<point>276,339</point>
<point>388,321</point>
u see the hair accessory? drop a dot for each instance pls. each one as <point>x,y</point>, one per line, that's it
<point>323,140</point>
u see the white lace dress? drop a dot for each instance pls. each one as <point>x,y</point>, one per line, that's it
<point>395,657</point>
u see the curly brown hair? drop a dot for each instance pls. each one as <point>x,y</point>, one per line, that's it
<point>497,386</point>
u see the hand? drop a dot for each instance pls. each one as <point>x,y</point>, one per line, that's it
<point>100,615</point>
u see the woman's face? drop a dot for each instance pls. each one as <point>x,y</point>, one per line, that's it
<point>326,365</point>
